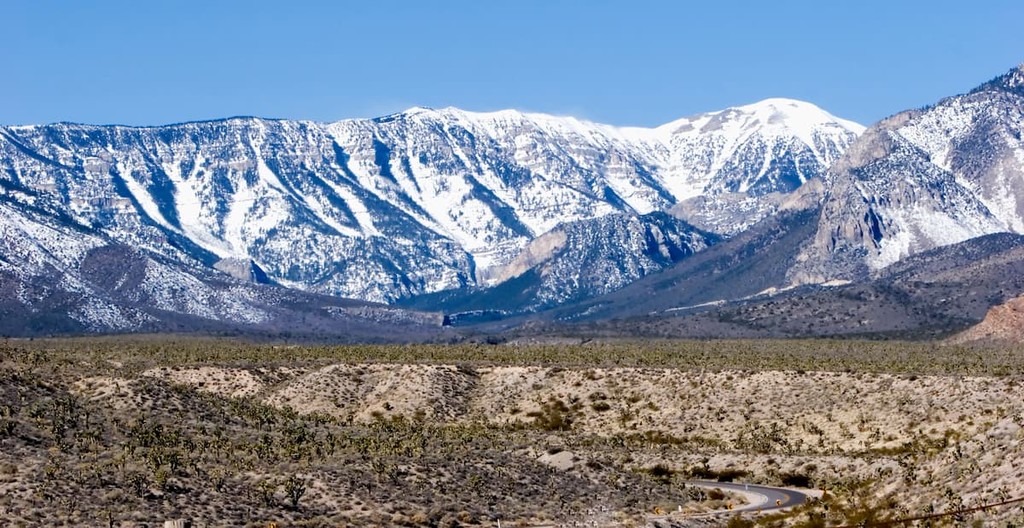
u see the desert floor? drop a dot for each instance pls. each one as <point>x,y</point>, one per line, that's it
<point>132,432</point>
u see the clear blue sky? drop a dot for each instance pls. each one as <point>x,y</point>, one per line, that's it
<point>631,62</point>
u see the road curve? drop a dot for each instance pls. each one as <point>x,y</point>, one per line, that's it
<point>762,499</point>
<point>767,497</point>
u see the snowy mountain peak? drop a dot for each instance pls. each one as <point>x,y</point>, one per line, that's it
<point>497,122</point>
<point>781,107</point>
<point>776,113</point>
<point>775,116</point>
<point>418,110</point>
<point>796,114</point>
<point>746,155</point>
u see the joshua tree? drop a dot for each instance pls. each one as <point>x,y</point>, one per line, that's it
<point>294,488</point>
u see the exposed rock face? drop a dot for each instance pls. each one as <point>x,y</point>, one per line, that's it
<point>1002,323</point>
<point>241,269</point>
<point>538,251</point>
<point>923,179</point>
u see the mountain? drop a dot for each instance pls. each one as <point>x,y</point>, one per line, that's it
<point>913,231</point>
<point>927,295</point>
<point>751,263</point>
<point>768,220</point>
<point>575,261</point>
<point>414,203</point>
<point>922,179</point>
<point>732,168</point>
<point>57,277</point>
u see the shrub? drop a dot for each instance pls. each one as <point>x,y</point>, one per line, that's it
<point>706,473</point>
<point>761,439</point>
<point>661,473</point>
<point>554,415</point>
<point>730,475</point>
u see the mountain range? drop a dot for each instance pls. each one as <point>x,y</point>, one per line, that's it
<point>259,225</point>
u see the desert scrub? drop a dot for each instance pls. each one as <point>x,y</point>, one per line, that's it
<point>599,401</point>
<point>760,438</point>
<point>227,460</point>
<point>118,447</point>
<point>554,415</point>
<point>132,354</point>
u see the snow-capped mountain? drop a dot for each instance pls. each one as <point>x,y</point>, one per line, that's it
<point>923,179</point>
<point>417,202</point>
<point>730,169</point>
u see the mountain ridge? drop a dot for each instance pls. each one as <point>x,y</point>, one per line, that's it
<point>379,209</point>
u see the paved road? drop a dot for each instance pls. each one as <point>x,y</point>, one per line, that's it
<point>761,498</point>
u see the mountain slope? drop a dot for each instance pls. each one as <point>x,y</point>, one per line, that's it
<point>418,202</point>
<point>732,168</point>
<point>748,264</point>
<point>928,295</point>
<point>576,261</point>
<point>207,191</point>
<point>923,179</point>
<point>57,277</point>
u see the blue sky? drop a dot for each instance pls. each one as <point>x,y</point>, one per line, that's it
<point>636,62</point>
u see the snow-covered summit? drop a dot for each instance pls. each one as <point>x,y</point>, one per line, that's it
<point>771,146</point>
<point>777,114</point>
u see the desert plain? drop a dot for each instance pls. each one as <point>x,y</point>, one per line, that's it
<point>143,430</point>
